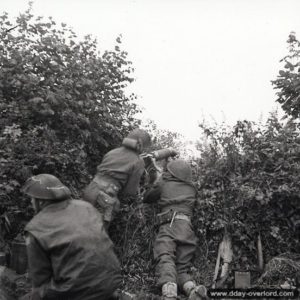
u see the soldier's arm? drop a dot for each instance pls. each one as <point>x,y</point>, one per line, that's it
<point>39,264</point>
<point>133,182</point>
<point>152,195</point>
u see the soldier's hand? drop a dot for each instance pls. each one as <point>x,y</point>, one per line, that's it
<point>173,152</point>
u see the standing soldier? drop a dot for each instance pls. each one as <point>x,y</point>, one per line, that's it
<point>120,171</point>
<point>175,244</point>
<point>70,255</point>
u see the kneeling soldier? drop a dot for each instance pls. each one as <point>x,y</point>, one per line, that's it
<point>175,244</point>
<point>70,255</point>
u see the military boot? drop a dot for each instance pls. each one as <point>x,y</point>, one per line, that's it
<point>198,293</point>
<point>195,292</point>
<point>122,295</point>
<point>169,291</point>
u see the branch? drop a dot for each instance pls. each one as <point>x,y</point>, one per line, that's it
<point>10,29</point>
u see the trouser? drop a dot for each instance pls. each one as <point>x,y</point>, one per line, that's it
<point>174,249</point>
<point>103,195</point>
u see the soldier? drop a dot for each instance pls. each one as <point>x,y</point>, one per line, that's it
<point>70,255</point>
<point>175,243</point>
<point>120,171</point>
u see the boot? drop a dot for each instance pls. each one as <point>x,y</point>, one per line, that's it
<point>188,287</point>
<point>198,293</point>
<point>195,292</point>
<point>169,291</point>
<point>122,295</point>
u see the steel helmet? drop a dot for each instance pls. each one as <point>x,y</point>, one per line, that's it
<point>46,187</point>
<point>180,169</point>
<point>140,135</point>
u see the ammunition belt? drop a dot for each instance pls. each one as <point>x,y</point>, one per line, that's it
<point>180,216</point>
<point>169,217</point>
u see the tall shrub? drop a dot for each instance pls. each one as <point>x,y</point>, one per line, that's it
<point>63,104</point>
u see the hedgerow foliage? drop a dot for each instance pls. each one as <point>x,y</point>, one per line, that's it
<point>288,80</point>
<point>62,104</point>
<point>249,177</point>
<point>162,138</point>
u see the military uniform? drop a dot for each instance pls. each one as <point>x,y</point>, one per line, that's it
<point>70,255</point>
<point>175,243</point>
<point>119,172</point>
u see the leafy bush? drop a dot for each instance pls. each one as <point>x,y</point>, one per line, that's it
<point>288,81</point>
<point>62,104</point>
<point>249,177</point>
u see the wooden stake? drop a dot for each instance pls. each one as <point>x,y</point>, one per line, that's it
<point>260,253</point>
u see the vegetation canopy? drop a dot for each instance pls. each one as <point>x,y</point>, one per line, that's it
<point>62,103</point>
<point>288,81</point>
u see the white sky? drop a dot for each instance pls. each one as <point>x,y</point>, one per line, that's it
<point>192,58</point>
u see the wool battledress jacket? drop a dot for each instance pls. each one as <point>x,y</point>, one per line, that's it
<point>124,166</point>
<point>172,193</point>
<point>70,256</point>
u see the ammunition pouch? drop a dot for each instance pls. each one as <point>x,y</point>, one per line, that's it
<point>164,217</point>
<point>104,196</point>
<point>107,205</point>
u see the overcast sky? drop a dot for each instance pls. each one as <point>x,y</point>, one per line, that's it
<point>192,58</point>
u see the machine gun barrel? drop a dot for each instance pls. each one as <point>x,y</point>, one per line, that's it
<point>164,153</point>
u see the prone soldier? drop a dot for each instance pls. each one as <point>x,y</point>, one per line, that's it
<point>175,243</point>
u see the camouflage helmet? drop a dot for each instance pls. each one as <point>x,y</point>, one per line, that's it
<point>140,135</point>
<point>180,169</point>
<point>45,187</point>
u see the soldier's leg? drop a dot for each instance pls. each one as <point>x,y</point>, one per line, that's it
<point>186,249</point>
<point>164,255</point>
